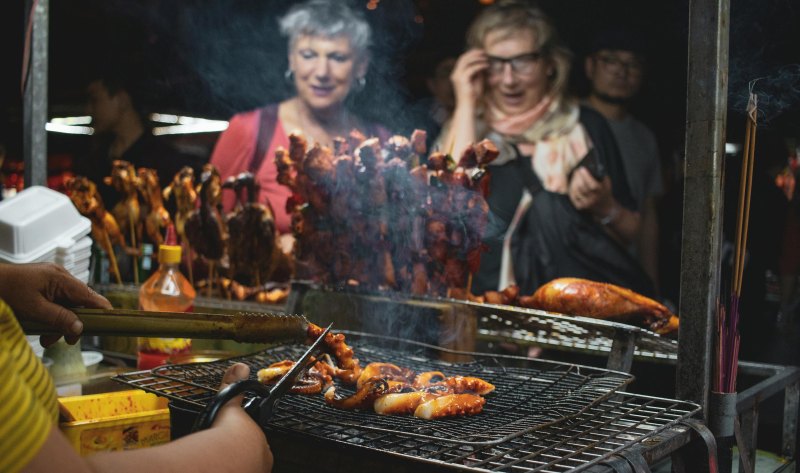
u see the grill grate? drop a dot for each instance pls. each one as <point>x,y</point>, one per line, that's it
<point>571,332</point>
<point>544,416</point>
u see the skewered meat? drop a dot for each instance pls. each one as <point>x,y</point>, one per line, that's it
<point>586,298</point>
<point>182,188</point>
<point>450,405</point>
<point>157,219</point>
<point>252,249</point>
<point>105,231</point>
<point>205,227</point>
<point>127,211</point>
<point>387,371</point>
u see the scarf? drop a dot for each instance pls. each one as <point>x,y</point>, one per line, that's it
<point>550,134</point>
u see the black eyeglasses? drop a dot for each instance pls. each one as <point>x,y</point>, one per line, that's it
<point>520,64</point>
<point>610,61</point>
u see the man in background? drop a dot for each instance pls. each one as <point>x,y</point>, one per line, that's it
<point>615,68</point>
<point>122,131</point>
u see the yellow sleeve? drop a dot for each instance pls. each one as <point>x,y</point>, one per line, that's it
<point>28,404</point>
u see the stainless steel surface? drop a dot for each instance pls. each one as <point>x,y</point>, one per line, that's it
<point>566,431</point>
<point>35,95</point>
<point>238,326</point>
<point>707,89</point>
<point>494,323</point>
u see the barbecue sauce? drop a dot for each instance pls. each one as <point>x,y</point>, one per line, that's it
<point>166,290</point>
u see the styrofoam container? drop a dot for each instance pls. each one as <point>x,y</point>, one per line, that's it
<point>37,221</point>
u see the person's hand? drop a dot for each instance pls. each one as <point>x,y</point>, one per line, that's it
<point>467,76</point>
<point>234,415</point>
<point>40,292</point>
<point>587,193</point>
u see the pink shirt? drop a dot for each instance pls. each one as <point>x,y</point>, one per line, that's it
<point>234,152</point>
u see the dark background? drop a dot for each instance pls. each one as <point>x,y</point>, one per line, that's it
<point>213,58</point>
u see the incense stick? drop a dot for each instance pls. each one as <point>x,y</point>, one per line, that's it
<point>751,120</point>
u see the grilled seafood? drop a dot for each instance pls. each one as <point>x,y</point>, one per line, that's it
<point>587,298</point>
<point>427,378</point>
<point>314,381</point>
<point>402,403</point>
<point>348,368</point>
<point>387,371</point>
<point>468,384</point>
<point>450,405</point>
<point>364,398</point>
<point>274,371</point>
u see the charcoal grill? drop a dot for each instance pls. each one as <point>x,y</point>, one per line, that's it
<point>543,416</point>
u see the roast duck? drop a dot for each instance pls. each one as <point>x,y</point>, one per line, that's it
<point>582,297</point>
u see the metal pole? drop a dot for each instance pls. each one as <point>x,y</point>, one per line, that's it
<point>707,87</point>
<point>35,95</point>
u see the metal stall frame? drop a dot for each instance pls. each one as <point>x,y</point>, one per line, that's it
<point>37,15</point>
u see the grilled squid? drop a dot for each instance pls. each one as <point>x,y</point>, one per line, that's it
<point>387,371</point>
<point>449,406</point>
<point>407,400</point>
<point>348,368</point>
<point>273,372</point>
<point>363,398</point>
<point>428,378</point>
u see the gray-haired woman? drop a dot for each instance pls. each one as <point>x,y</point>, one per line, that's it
<point>328,60</point>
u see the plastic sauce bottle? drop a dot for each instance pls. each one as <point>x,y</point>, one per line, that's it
<point>166,290</point>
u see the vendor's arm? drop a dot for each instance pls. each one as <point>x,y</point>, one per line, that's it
<point>234,443</point>
<point>467,79</point>
<point>589,194</point>
<point>40,291</point>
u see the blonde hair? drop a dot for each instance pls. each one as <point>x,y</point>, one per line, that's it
<point>512,16</point>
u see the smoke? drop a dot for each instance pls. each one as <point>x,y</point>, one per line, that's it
<point>761,34</point>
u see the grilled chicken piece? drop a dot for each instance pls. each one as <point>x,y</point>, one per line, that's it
<point>127,212</point>
<point>205,228</point>
<point>450,405</point>
<point>182,188</point>
<point>593,299</point>
<point>157,219</point>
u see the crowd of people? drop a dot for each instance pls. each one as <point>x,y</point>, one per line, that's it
<point>574,192</point>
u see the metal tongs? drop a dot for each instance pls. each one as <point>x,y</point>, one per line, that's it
<point>263,404</point>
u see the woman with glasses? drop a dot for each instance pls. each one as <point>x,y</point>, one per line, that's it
<point>510,87</point>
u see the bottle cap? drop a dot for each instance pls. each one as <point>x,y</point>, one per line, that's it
<point>169,254</point>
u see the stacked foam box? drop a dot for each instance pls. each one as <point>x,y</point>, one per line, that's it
<point>41,225</point>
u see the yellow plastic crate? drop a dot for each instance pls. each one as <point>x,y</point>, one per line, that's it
<point>123,420</point>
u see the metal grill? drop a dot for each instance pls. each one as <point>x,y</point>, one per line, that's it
<point>525,398</point>
<point>571,332</point>
<point>543,417</point>
<point>504,323</point>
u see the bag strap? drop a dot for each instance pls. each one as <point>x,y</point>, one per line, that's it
<point>268,118</point>
<point>526,174</point>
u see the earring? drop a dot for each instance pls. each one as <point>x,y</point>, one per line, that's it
<point>360,83</point>
<point>289,76</point>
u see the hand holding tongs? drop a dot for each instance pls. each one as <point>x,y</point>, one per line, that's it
<point>260,407</point>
